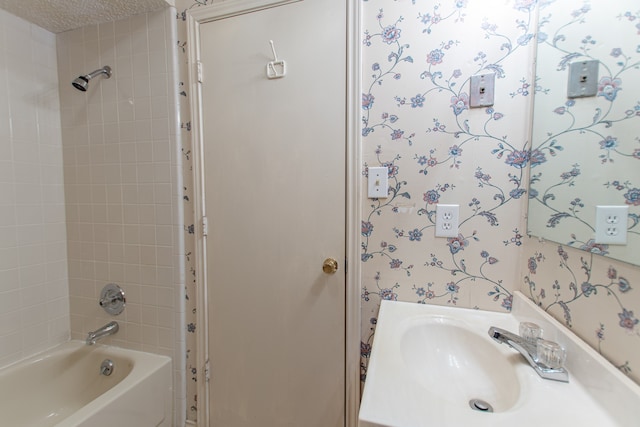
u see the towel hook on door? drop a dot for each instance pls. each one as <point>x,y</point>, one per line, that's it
<point>277,68</point>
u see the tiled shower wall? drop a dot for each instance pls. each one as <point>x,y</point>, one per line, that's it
<point>34,307</point>
<point>122,176</point>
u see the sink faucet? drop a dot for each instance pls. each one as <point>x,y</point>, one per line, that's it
<point>530,352</point>
<point>108,329</point>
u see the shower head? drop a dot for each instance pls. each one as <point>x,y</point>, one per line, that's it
<point>82,82</point>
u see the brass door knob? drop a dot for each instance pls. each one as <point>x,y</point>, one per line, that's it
<point>330,266</point>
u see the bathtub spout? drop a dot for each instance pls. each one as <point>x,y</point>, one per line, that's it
<point>108,329</point>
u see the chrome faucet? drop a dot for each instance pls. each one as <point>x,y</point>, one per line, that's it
<point>529,349</point>
<point>108,329</point>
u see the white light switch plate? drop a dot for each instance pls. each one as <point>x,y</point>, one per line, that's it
<point>378,182</point>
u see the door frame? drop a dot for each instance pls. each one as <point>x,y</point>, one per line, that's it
<point>353,181</point>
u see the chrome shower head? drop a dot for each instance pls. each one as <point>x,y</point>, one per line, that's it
<point>82,82</point>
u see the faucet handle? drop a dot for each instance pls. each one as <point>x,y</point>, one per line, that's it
<point>530,331</point>
<point>550,354</point>
<point>112,299</point>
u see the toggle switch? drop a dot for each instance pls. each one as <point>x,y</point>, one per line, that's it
<point>378,182</point>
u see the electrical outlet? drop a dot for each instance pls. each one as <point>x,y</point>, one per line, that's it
<point>611,224</point>
<point>378,187</point>
<point>447,219</point>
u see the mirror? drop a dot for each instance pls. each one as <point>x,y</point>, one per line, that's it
<point>585,151</point>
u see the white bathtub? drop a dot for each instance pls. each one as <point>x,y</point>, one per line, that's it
<point>63,387</point>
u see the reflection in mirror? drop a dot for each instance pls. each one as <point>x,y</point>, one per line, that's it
<point>586,149</point>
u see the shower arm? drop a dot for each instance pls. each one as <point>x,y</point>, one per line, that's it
<point>104,70</point>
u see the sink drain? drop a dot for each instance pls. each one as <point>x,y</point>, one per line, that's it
<point>480,405</point>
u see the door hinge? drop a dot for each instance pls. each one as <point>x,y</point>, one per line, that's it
<point>205,226</point>
<point>199,71</point>
<point>346,265</point>
<point>207,371</point>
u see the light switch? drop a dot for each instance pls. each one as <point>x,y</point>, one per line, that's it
<point>378,182</point>
<point>583,79</point>
<point>482,90</point>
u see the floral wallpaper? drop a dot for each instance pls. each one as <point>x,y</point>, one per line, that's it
<point>594,296</point>
<point>417,60</point>
<point>586,151</point>
<point>189,208</point>
<point>416,120</point>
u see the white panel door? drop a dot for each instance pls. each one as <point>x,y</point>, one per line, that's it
<point>274,169</point>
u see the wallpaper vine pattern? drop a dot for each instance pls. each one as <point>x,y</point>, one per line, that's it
<point>417,121</point>
<point>584,148</point>
<point>188,197</point>
<point>586,153</point>
<point>591,295</point>
<point>417,58</point>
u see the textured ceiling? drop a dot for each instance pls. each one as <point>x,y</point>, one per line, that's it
<point>63,15</point>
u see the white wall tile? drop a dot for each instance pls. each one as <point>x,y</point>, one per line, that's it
<point>118,179</point>
<point>115,147</point>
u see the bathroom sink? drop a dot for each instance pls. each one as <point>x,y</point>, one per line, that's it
<point>437,366</point>
<point>441,350</point>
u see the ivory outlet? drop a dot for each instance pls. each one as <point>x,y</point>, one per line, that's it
<point>611,224</point>
<point>447,219</point>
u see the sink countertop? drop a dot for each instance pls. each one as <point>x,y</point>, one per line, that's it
<point>428,361</point>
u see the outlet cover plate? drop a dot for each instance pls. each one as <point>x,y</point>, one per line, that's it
<point>611,224</point>
<point>447,219</point>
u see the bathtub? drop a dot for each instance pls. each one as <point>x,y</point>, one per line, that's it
<point>63,387</point>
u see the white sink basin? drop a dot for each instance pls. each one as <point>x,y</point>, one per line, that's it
<point>441,350</point>
<point>429,362</point>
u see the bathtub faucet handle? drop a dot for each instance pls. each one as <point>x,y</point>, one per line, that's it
<point>112,299</point>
